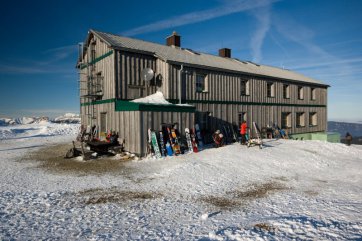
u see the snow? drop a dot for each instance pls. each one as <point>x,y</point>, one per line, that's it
<point>41,129</point>
<point>156,98</point>
<point>288,190</point>
<point>67,118</point>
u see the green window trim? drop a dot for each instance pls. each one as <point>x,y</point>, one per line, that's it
<point>122,105</point>
<point>98,102</point>
<point>174,101</point>
<point>126,105</point>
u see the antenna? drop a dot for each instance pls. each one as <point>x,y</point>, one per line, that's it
<point>147,74</point>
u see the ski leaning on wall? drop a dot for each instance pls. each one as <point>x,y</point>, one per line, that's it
<point>255,141</point>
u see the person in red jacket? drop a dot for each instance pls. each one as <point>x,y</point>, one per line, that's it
<point>243,128</point>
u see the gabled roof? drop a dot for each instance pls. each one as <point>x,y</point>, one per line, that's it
<point>202,60</point>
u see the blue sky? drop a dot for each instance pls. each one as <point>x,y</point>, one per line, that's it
<point>319,38</point>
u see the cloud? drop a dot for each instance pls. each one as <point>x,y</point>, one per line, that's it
<point>332,62</point>
<point>256,42</point>
<point>315,59</point>
<point>229,7</point>
<point>61,53</point>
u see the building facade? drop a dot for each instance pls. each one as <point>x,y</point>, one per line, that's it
<point>218,89</point>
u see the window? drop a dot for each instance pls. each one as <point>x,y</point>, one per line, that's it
<point>313,94</point>
<point>286,119</point>
<point>99,82</point>
<point>244,87</point>
<point>201,84</point>
<point>97,86</point>
<point>300,93</point>
<point>270,87</point>
<point>241,117</point>
<point>312,119</point>
<point>300,119</point>
<point>93,52</point>
<point>286,92</point>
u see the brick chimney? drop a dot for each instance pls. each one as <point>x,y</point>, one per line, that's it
<point>225,52</point>
<point>174,40</point>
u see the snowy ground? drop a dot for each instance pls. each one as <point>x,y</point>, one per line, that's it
<point>288,190</point>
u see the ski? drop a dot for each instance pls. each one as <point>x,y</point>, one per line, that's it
<point>255,141</point>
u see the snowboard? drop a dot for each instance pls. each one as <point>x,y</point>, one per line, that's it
<point>149,142</point>
<point>188,139</point>
<point>169,149</point>
<point>198,135</point>
<point>155,144</point>
<point>176,146</point>
<point>162,144</point>
<point>193,140</point>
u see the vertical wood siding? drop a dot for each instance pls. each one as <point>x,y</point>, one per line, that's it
<point>132,126</point>
<point>226,87</point>
<point>128,68</point>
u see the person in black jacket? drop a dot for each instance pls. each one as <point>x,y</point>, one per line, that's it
<point>348,139</point>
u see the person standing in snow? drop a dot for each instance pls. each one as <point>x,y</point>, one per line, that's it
<point>243,128</point>
<point>348,139</point>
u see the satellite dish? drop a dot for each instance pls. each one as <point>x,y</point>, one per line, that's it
<point>147,74</point>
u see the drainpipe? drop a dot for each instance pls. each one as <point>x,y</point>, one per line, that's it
<point>179,82</point>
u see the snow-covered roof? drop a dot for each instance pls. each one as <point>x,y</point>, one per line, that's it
<point>187,56</point>
<point>156,98</point>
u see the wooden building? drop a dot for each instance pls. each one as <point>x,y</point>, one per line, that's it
<point>218,89</point>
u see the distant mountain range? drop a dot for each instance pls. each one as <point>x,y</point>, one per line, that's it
<point>355,129</point>
<point>67,118</point>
